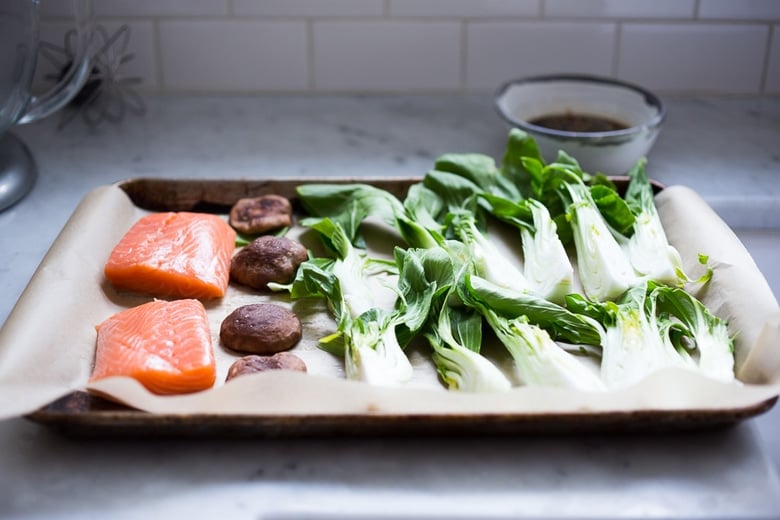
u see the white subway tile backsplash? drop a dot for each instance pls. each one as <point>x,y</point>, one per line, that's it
<point>619,8</point>
<point>740,9</point>
<point>465,8</point>
<point>233,55</point>
<point>386,55</point>
<point>322,8</point>
<point>718,46</point>
<point>700,58</point>
<point>500,51</point>
<point>773,72</point>
<point>140,44</point>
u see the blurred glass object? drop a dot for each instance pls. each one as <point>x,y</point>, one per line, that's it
<point>19,23</point>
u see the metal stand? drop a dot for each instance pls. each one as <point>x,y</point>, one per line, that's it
<point>17,170</point>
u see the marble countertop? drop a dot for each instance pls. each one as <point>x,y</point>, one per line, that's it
<point>725,148</point>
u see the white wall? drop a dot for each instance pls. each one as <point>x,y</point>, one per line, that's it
<point>327,46</point>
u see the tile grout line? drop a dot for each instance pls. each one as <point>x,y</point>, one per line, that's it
<point>157,46</point>
<point>543,17</point>
<point>617,50</point>
<point>310,80</point>
<point>771,35</point>
<point>463,55</point>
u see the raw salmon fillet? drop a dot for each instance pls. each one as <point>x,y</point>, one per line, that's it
<point>165,345</point>
<point>174,254</point>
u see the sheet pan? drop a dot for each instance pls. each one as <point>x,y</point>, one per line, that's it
<point>44,369</point>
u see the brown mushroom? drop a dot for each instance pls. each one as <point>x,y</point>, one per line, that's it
<point>267,259</point>
<point>260,328</point>
<point>253,363</point>
<point>257,215</point>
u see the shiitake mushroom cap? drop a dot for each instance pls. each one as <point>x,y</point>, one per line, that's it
<point>256,215</point>
<point>267,259</point>
<point>254,363</point>
<point>260,328</point>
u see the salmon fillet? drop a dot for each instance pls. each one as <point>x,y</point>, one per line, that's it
<point>165,345</point>
<point>174,254</point>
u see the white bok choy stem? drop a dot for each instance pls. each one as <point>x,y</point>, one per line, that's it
<point>488,261</point>
<point>366,323</point>
<point>372,352</point>
<point>604,269</point>
<point>539,360</point>
<point>713,347</point>
<point>547,266</point>
<point>636,342</point>
<point>462,368</point>
<point>648,248</point>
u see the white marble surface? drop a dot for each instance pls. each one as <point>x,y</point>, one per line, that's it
<point>727,149</point>
<point>721,474</point>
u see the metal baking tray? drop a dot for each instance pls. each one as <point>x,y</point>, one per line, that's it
<point>83,414</point>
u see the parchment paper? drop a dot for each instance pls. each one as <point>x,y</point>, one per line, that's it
<point>47,345</point>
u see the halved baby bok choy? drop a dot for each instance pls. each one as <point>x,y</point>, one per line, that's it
<point>561,323</point>
<point>648,248</point>
<point>637,342</point>
<point>372,352</point>
<point>604,269</point>
<point>427,282</point>
<point>713,347</point>
<point>452,271</point>
<point>366,323</point>
<point>539,360</point>
<point>465,221</point>
<point>487,259</point>
<point>546,266</point>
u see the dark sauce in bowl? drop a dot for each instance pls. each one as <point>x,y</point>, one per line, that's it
<point>578,123</point>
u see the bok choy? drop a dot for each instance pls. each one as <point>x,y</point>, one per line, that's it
<point>428,286</point>
<point>604,270</point>
<point>713,347</point>
<point>648,248</point>
<point>636,341</point>
<point>366,322</point>
<point>450,276</point>
<point>547,267</point>
<point>487,260</point>
<point>539,360</point>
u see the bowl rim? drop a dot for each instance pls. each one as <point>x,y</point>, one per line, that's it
<point>649,97</point>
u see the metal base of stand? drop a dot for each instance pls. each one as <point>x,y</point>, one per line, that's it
<point>17,170</point>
